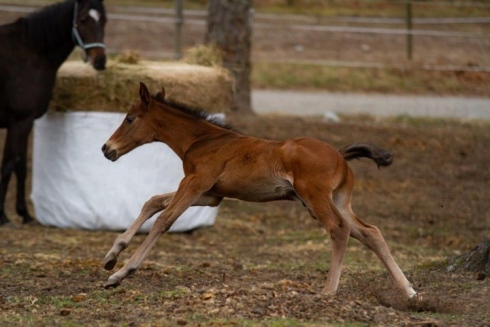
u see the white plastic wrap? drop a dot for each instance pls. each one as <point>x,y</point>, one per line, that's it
<point>75,186</point>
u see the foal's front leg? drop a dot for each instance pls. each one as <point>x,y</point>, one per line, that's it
<point>155,204</point>
<point>176,207</point>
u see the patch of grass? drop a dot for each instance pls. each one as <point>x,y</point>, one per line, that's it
<point>355,79</point>
<point>279,322</point>
<point>438,316</point>
<point>107,296</point>
<point>373,8</point>
<point>20,269</point>
<point>271,322</point>
<point>58,301</point>
<point>432,265</point>
<point>25,320</point>
<point>172,294</point>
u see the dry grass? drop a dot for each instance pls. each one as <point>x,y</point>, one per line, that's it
<point>203,55</point>
<point>80,88</point>
<point>265,264</point>
<point>382,80</point>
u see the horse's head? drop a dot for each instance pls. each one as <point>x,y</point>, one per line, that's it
<point>89,20</point>
<point>135,130</point>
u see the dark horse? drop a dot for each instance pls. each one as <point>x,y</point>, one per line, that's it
<point>32,49</point>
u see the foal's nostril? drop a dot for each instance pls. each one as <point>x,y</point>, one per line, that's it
<point>108,153</point>
<point>112,155</point>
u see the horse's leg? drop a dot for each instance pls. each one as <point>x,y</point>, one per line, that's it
<point>371,237</point>
<point>15,160</point>
<point>339,233</point>
<point>8,166</point>
<point>321,208</point>
<point>190,192</point>
<point>21,173</point>
<point>155,204</point>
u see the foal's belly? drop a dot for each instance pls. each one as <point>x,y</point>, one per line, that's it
<point>256,192</point>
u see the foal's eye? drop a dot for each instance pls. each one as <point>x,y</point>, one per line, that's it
<point>129,119</point>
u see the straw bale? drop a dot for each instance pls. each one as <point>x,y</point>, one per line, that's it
<point>204,55</point>
<point>80,88</point>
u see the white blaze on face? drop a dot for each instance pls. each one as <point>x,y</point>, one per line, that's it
<point>94,14</point>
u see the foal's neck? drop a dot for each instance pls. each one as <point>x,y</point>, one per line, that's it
<point>180,130</point>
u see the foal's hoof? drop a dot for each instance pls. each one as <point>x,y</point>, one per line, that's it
<point>112,282</point>
<point>110,262</point>
<point>329,293</point>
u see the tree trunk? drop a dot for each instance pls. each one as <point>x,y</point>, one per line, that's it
<point>230,28</point>
<point>477,260</point>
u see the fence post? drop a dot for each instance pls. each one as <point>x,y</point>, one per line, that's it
<point>179,21</point>
<point>408,11</point>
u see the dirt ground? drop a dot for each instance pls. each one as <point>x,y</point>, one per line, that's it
<point>265,264</point>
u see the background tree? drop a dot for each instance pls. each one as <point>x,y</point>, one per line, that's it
<point>230,28</point>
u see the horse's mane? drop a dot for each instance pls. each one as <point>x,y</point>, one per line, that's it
<point>194,112</point>
<point>42,27</point>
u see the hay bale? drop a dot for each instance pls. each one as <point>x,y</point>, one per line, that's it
<point>204,55</point>
<point>80,88</point>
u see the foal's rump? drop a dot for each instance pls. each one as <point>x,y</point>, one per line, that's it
<point>310,162</point>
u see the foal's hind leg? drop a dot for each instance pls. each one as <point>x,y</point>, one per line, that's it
<point>339,230</point>
<point>155,204</point>
<point>322,209</point>
<point>371,237</point>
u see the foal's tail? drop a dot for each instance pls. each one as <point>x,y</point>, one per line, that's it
<point>380,156</point>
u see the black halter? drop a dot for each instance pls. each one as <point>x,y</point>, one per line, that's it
<point>76,35</point>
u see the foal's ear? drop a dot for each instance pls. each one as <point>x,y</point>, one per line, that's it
<point>161,95</point>
<point>144,94</point>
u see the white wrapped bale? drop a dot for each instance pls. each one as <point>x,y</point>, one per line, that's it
<point>74,186</point>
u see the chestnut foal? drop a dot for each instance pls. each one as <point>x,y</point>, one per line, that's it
<point>219,162</point>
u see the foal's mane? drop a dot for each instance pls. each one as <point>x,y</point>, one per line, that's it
<point>194,112</point>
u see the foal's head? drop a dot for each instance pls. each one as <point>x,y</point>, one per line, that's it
<point>134,130</point>
<point>89,20</point>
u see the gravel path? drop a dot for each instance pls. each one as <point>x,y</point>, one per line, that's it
<point>324,103</point>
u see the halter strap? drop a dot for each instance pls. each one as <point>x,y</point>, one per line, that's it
<point>76,35</point>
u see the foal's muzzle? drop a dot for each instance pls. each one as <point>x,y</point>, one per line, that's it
<point>109,153</point>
